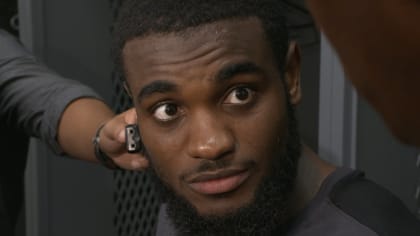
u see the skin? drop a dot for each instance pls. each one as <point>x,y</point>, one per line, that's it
<point>184,104</point>
<point>378,44</point>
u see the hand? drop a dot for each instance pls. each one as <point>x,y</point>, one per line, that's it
<point>112,142</point>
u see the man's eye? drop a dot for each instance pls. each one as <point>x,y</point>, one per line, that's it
<point>240,95</point>
<point>166,112</point>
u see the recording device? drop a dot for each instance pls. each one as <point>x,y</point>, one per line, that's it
<point>132,138</point>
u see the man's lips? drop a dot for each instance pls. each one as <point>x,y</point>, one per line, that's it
<point>219,181</point>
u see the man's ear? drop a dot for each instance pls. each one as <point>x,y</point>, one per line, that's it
<point>292,73</point>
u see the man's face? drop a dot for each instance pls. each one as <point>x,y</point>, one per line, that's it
<point>212,111</point>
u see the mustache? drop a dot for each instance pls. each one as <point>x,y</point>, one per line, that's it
<point>209,165</point>
<point>215,165</point>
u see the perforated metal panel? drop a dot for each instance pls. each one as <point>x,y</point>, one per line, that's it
<point>136,202</point>
<point>137,205</point>
<point>135,198</point>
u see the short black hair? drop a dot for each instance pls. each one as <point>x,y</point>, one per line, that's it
<point>140,18</point>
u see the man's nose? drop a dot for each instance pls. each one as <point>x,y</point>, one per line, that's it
<point>210,138</point>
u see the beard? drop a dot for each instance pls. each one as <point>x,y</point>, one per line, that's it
<point>267,214</point>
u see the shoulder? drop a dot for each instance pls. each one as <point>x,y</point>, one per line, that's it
<point>373,206</point>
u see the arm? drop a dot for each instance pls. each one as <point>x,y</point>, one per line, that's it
<point>373,38</point>
<point>378,42</point>
<point>63,113</point>
<point>79,124</point>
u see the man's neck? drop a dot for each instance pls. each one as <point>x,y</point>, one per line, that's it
<point>312,172</point>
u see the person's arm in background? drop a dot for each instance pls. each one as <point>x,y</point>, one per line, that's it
<point>63,113</point>
<point>378,42</point>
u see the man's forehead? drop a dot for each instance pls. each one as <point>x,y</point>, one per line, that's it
<point>199,52</point>
<point>249,29</point>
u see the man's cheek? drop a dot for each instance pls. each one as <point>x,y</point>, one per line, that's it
<point>162,166</point>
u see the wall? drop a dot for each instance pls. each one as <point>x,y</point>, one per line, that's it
<point>384,159</point>
<point>65,196</point>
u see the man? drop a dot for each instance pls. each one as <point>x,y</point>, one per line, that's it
<point>378,44</point>
<point>66,115</point>
<point>215,83</point>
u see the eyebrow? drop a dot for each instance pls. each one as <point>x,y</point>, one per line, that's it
<point>231,70</point>
<point>158,86</point>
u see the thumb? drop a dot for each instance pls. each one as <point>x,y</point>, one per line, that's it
<point>130,116</point>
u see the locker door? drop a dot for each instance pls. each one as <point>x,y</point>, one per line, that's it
<point>65,196</point>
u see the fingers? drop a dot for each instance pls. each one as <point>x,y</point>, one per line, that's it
<point>112,135</point>
<point>113,144</point>
<point>129,161</point>
<point>130,116</point>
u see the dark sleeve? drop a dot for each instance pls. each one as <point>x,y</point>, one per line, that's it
<point>32,97</point>
<point>375,207</point>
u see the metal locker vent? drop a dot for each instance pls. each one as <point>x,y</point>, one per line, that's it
<point>137,204</point>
